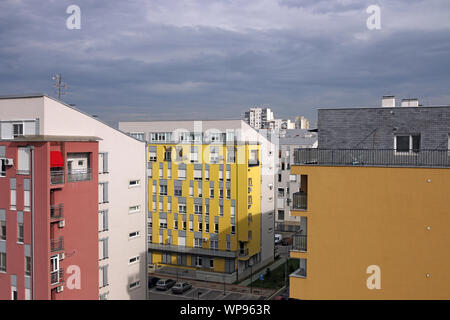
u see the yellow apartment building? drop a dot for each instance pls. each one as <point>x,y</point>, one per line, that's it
<point>374,225</point>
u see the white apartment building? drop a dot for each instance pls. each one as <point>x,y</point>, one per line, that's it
<point>122,188</point>
<point>301,122</point>
<point>258,118</point>
<point>285,182</point>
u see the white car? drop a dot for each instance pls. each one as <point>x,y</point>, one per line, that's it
<point>278,238</point>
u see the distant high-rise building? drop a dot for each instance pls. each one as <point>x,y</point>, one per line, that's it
<point>301,122</point>
<point>258,117</point>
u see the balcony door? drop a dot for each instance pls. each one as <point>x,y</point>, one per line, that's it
<point>54,269</point>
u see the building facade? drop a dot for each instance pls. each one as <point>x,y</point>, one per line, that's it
<point>209,209</point>
<point>42,180</point>
<point>373,206</point>
<point>285,182</point>
<point>121,188</point>
<point>259,118</point>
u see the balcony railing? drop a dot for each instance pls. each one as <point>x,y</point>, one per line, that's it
<point>57,244</point>
<point>373,157</point>
<point>299,242</point>
<point>300,272</point>
<point>57,176</point>
<point>191,250</point>
<point>76,175</point>
<point>299,200</point>
<point>57,277</point>
<point>243,252</point>
<point>57,212</point>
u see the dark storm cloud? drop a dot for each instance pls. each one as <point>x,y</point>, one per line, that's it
<point>185,59</point>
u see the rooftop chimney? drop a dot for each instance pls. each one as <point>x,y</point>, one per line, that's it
<point>410,102</point>
<point>388,102</point>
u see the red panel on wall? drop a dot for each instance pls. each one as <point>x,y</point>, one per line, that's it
<point>56,159</point>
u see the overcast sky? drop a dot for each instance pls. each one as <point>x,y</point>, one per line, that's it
<point>175,59</point>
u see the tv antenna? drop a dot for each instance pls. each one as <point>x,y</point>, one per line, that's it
<point>60,85</point>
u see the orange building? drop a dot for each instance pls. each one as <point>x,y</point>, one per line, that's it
<point>374,224</point>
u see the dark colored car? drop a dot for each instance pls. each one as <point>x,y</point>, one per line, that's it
<point>181,287</point>
<point>165,284</point>
<point>152,281</point>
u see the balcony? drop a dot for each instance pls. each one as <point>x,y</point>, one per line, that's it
<point>57,176</point>
<point>57,277</point>
<point>299,200</point>
<point>57,212</point>
<point>76,175</point>
<point>299,242</point>
<point>57,244</point>
<point>191,250</point>
<point>243,253</point>
<point>373,157</point>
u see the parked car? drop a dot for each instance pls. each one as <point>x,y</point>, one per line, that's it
<point>165,284</point>
<point>278,238</point>
<point>181,287</point>
<point>152,281</point>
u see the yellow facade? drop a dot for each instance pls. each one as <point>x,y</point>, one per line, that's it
<point>395,218</point>
<point>245,184</point>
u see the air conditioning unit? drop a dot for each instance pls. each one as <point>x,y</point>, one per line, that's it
<point>60,289</point>
<point>62,224</point>
<point>9,162</point>
<point>62,256</point>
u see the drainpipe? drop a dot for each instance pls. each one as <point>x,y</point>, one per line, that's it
<point>32,219</point>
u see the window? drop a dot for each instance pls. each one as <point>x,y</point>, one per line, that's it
<point>191,191</point>
<point>281,192</point>
<point>194,154</point>
<point>207,209</point>
<point>182,208</point>
<point>28,266</point>
<point>103,192</point>
<point>407,143</point>
<point>168,154</point>
<point>228,175</point>
<point>198,208</point>
<point>253,158</point>
<point>3,261</point>
<point>279,177</point>
<point>13,200</point>
<point>292,177</point>
<point>230,154</point>
<point>181,173</point>
<point>103,162</point>
<point>228,194</point>
<point>2,167</point>
<point>207,173</point>
<point>233,229</point>
<point>134,234</point>
<point>23,166</point>
<point>160,173</point>
<point>17,129</point>
<point>221,210</point>
<point>26,200</point>
<point>163,223</point>
<point>214,244</point>
<point>200,191</point>
<point>191,226</point>
<point>198,242</point>
<point>211,192</point>
<point>220,174</point>
<point>177,190</point>
<point>207,227</point>
<point>211,263</point>
<point>184,226</point>
<point>220,193</point>
<point>200,226</point>
<point>197,174</point>
<point>163,190</point>
<point>20,232</point>
<point>134,209</point>
<point>2,229</point>
<point>138,135</point>
<point>135,183</point>
<point>175,224</point>
<point>216,227</point>
<point>135,284</point>
<point>134,260</point>
<point>152,156</point>
<point>280,214</point>
<point>214,154</point>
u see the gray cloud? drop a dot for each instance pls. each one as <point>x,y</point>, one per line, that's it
<point>185,59</point>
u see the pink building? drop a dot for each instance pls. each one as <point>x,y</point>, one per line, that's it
<point>48,217</point>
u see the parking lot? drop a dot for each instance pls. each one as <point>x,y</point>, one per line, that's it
<point>203,293</point>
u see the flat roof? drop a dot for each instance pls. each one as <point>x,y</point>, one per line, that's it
<point>54,138</point>
<point>384,108</point>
